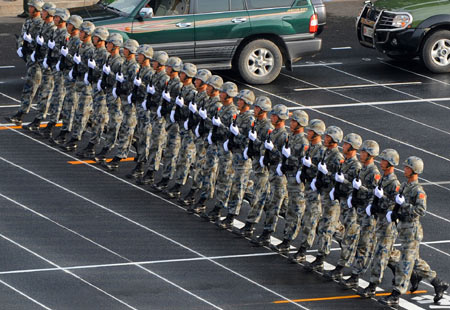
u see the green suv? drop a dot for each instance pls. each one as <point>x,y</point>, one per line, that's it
<point>257,37</point>
<point>404,29</point>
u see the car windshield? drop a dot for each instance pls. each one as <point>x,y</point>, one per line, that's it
<point>125,6</point>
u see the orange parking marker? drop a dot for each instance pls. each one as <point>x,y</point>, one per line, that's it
<point>79,162</point>
<point>20,127</point>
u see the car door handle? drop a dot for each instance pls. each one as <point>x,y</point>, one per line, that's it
<point>239,20</point>
<point>183,25</point>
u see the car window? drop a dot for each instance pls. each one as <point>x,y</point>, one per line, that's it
<point>169,7</point>
<point>262,4</point>
<point>126,6</point>
<point>208,6</point>
<point>236,5</point>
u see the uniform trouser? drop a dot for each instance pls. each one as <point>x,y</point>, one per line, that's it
<point>32,82</point>
<point>83,110</point>
<point>328,223</point>
<point>209,173</point>
<point>126,131</point>
<point>100,117</point>
<point>366,245</point>
<point>200,159</point>
<point>241,169</point>
<point>171,150</point>
<point>352,222</point>
<point>311,217</point>
<point>157,141</point>
<point>224,179</point>
<point>386,233</point>
<point>420,266</point>
<point>296,207</point>
<point>261,189</point>
<point>70,104</point>
<point>57,98</point>
<point>45,93</point>
<point>143,133</point>
<point>186,157</point>
<point>278,196</point>
<point>114,120</point>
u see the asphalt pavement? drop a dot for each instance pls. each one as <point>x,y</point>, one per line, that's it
<point>74,236</point>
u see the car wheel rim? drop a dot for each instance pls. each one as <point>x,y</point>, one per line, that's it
<point>260,62</point>
<point>440,53</point>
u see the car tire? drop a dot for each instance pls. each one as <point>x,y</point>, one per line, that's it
<point>260,62</point>
<point>436,52</point>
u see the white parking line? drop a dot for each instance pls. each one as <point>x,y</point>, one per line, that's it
<point>7,67</point>
<point>25,295</point>
<point>317,64</point>
<point>9,97</point>
<point>341,48</point>
<point>440,183</point>
<point>10,106</point>
<point>357,86</point>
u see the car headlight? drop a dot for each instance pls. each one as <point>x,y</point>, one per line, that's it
<point>401,20</point>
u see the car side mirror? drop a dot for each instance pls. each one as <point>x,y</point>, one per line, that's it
<point>145,13</point>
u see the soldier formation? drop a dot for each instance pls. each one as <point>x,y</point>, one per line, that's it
<point>234,146</point>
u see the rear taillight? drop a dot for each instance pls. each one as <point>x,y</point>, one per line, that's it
<point>313,24</point>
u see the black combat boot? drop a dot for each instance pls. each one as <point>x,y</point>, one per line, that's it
<point>113,165</point>
<point>246,231</point>
<point>47,131</point>
<point>60,139</point>
<point>71,145</point>
<point>299,256</point>
<point>100,157</point>
<point>189,199</point>
<point>415,280</point>
<point>317,264</point>
<point>198,208</point>
<point>162,184</point>
<point>249,198</point>
<point>369,291</point>
<point>335,274</point>
<point>88,151</point>
<point>147,178</point>
<point>283,247</point>
<point>175,191</point>
<point>391,300</point>
<point>33,126</point>
<point>392,267</point>
<point>263,239</point>
<point>212,215</point>
<point>227,223</point>
<point>351,282</point>
<point>16,118</point>
<point>439,288</point>
<point>137,172</point>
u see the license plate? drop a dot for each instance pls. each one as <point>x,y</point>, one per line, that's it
<point>368,32</point>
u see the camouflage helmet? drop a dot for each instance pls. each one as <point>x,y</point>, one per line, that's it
<point>189,69</point>
<point>131,45</point>
<point>247,96</point>
<point>101,32</point>
<point>301,117</point>
<point>50,7</point>
<point>75,20</point>
<point>371,147</point>
<point>354,140</point>
<point>230,89</point>
<point>64,14</point>
<point>281,111</point>
<point>391,156</point>
<point>415,163</point>
<point>203,75</point>
<point>37,4</point>
<point>115,38</point>
<point>264,103</point>
<point>335,133</point>
<point>160,57</point>
<point>146,50</point>
<point>175,63</point>
<point>87,27</point>
<point>215,82</point>
<point>316,125</point>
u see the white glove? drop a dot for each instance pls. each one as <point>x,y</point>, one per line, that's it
<point>297,177</point>
<point>252,135</point>
<point>144,105</point>
<point>158,111</point>
<point>286,151</point>
<point>332,194</point>
<point>71,74</point>
<point>268,145</point>
<point>130,96</point>
<point>210,142</point>
<point>137,82</point>
<point>44,63</point>
<point>40,40</point>
<point>379,192</point>
<point>166,96</point>
<point>339,177</point>
<point>77,59</point>
<point>33,59</point>
<point>114,93</point>
<point>179,101</point>
<point>225,145</point>
<point>27,37</point>
<point>389,216</point>
<point>19,52</point>
<point>203,114</point>
<point>92,64</point>
<point>368,211</point>
<point>119,77</point>
<point>279,172</point>
<point>306,161</point>
<point>193,107</point>
<point>261,161</point>
<point>245,153</point>
<point>99,85</point>
<point>400,199</point>
<point>216,121</point>
<point>349,202</point>
<point>86,81</point>
<point>58,66</point>
<point>234,129</point>
<point>186,124</point>
<point>196,131</point>
<point>172,116</point>
<point>356,184</point>
<point>106,69</point>
<point>151,89</point>
<point>323,168</point>
<point>313,184</point>
<point>51,44</point>
<point>64,51</point>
